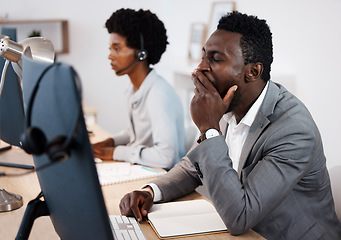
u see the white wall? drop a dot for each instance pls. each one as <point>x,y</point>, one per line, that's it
<point>307,50</point>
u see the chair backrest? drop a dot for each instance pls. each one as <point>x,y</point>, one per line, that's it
<point>335,178</point>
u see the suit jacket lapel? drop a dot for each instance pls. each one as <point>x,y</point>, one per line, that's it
<point>260,123</point>
<point>255,131</point>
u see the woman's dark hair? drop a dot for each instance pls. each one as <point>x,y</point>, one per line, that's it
<point>133,25</point>
<point>256,40</point>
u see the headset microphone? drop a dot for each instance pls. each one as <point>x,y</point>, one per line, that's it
<point>131,64</point>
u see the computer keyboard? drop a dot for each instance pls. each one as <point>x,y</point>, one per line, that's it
<point>126,228</point>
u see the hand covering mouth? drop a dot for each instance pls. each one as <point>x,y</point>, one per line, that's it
<point>211,81</point>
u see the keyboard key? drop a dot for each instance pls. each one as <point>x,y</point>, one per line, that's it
<point>126,228</point>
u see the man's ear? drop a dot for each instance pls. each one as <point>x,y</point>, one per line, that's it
<point>254,71</point>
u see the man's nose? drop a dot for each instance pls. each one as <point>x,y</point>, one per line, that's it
<point>203,65</point>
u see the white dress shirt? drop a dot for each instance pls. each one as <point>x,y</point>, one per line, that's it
<point>237,133</point>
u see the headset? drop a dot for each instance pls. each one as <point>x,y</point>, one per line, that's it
<point>34,141</point>
<point>140,55</point>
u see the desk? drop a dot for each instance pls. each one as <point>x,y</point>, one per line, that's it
<point>28,187</point>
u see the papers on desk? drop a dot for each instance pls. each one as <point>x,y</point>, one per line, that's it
<point>119,172</point>
<point>184,218</point>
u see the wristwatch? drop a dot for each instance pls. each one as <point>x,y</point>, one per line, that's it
<point>210,133</point>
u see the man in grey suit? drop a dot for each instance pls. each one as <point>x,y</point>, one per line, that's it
<point>260,154</point>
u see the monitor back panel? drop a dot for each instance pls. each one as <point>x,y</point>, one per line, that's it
<point>12,118</point>
<point>71,188</point>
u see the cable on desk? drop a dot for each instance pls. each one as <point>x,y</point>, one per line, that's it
<point>4,174</point>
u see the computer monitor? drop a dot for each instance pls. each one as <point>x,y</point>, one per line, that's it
<point>12,118</point>
<point>71,188</point>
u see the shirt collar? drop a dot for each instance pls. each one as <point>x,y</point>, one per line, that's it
<point>251,114</point>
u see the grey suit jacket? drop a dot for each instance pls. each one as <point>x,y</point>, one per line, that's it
<point>282,188</point>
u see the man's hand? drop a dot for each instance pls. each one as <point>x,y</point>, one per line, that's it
<point>207,107</point>
<point>137,204</point>
<point>105,149</point>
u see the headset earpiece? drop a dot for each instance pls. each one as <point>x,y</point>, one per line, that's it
<point>141,55</point>
<point>56,149</point>
<point>33,141</point>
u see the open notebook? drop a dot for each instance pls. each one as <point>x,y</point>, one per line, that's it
<point>119,172</point>
<point>185,218</point>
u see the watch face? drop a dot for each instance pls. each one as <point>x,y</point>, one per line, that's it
<point>211,133</point>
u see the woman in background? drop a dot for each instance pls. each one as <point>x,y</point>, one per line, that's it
<point>155,135</point>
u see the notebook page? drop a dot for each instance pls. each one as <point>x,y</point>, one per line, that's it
<point>185,218</point>
<point>192,207</point>
<point>119,172</point>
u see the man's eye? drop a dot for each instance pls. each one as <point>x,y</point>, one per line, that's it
<point>216,60</point>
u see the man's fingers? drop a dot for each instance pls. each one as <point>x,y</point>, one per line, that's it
<point>134,206</point>
<point>125,205</point>
<point>129,206</point>
<point>146,207</point>
<point>202,83</point>
<point>199,87</point>
<point>206,83</point>
<point>229,95</point>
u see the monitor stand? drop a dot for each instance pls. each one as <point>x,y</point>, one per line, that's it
<point>8,201</point>
<point>35,208</point>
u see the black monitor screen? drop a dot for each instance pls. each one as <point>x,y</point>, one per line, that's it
<point>71,188</point>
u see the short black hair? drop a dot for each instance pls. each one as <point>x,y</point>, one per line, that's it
<point>256,40</point>
<point>131,24</point>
